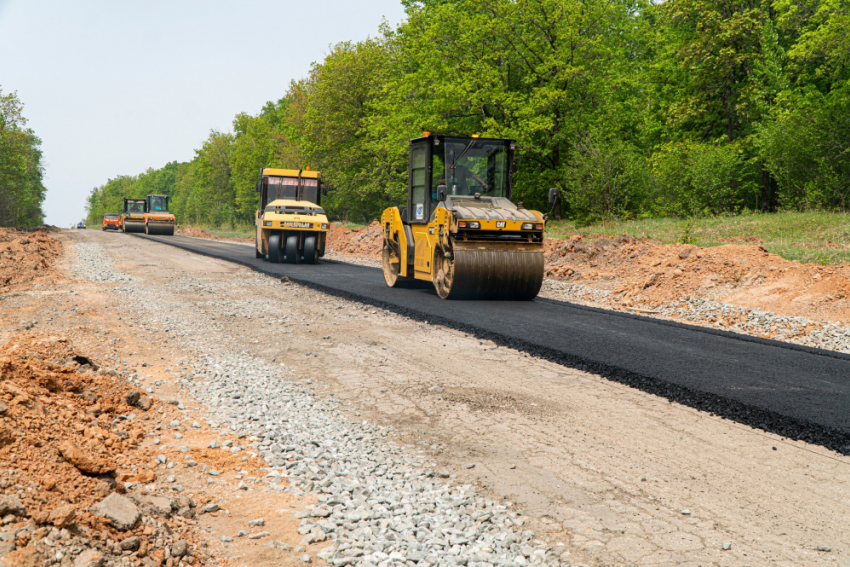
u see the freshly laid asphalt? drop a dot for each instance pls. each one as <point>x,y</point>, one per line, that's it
<point>795,391</point>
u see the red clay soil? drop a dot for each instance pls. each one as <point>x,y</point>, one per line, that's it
<point>67,443</point>
<point>24,256</point>
<point>358,242</point>
<point>640,272</point>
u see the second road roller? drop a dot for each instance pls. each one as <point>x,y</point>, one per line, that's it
<point>291,224</point>
<point>460,228</point>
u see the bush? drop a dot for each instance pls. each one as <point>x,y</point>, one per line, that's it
<point>694,178</point>
<point>606,179</point>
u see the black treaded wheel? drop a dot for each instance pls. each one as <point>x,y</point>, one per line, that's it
<point>275,250</point>
<point>311,250</point>
<point>293,255</point>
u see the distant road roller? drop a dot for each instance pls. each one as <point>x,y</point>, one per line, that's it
<point>133,215</point>
<point>157,218</point>
<point>291,224</point>
<point>460,230</point>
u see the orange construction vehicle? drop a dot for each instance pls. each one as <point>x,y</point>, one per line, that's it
<point>111,221</point>
<point>157,218</point>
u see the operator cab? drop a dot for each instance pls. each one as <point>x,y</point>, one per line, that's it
<point>289,185</point>
<point>468,172</point>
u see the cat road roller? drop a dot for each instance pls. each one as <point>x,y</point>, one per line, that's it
<point>133,215</point>
<point>291,224</point>
<point>460,230</point>
<point>157,218</point>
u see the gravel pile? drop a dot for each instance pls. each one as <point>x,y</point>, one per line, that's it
<point>377,503</point>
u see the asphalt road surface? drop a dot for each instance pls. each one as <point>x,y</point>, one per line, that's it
<point>796,391</point>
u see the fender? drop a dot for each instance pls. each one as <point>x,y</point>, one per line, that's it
<point>393,227</point>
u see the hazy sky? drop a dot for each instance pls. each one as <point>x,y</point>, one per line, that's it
<point>113,88</point>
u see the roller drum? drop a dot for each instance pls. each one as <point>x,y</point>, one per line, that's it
<point>161,229</point>
<point>134,226</point>
<point>481,272</point>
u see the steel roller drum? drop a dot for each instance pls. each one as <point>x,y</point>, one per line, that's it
<point>493,271</point>
<point>166,229</point>
<point>134,226</point>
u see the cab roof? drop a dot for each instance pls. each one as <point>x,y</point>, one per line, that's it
<point>308,174</point>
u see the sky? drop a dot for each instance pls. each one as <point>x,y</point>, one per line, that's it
<point>113,88</point>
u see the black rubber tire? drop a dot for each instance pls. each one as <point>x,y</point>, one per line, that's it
<point>311,250</point>
<point>293,255</point>
<point>275,250</point>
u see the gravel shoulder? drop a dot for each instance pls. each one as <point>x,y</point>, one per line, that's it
<point>467,452</point>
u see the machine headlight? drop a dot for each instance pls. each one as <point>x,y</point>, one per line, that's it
<point>324,226</point>
<point>267,223</point>
<point>469,224</point>
<point>531,226</point>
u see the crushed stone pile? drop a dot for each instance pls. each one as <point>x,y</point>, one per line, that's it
<point>24,256</point>
<point>359,242</point>
<point>69,449</point>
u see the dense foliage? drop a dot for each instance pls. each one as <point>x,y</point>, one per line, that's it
<point>21,171</point>
<point>632,109</point>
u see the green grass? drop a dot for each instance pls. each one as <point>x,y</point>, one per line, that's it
<point>778,230</point>
<point>225,232</point>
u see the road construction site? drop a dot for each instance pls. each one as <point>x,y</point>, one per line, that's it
<point>260,419</point>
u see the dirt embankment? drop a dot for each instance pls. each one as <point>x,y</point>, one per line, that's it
<point>639,272</point>
<point>357,242</point>
<point>24,256</point>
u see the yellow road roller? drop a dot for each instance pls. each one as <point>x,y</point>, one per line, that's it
<point>291,224</point>
<point>133,215</point>
<point>460,229</point>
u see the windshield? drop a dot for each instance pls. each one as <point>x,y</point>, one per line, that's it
<point>310,190</point>
<point>110,216</point>
<point>138,207</point>
<point>476,166</point>
<point>158,203</point>
<point>282,188</point>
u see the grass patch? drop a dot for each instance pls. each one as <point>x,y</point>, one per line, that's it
<point>349,225</point>
<point>811,237</point>
<point>226,232</point>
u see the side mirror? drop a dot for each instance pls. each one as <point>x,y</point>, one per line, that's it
<point>441,193</point>
<point>259,187</point>
<point>553,196</point>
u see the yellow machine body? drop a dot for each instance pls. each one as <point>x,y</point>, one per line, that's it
<point>468,245</point>
<point>291,229</point>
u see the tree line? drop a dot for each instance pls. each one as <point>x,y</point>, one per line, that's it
<point>631,108</point>
<point>21,170</point>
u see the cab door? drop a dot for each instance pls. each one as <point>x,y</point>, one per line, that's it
<point>419,205</point>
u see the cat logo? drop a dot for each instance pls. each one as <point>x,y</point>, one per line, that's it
<point>500,224</point>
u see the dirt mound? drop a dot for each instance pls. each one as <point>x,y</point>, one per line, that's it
<point>640,272</point>
<point>25,256</point>
<point>69,441</point>
<point>195,232</point>
<point>360,242</point>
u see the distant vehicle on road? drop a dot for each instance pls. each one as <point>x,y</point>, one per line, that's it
<point>81,224</point>
<point>157,218</point>
<point>111,221</point>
